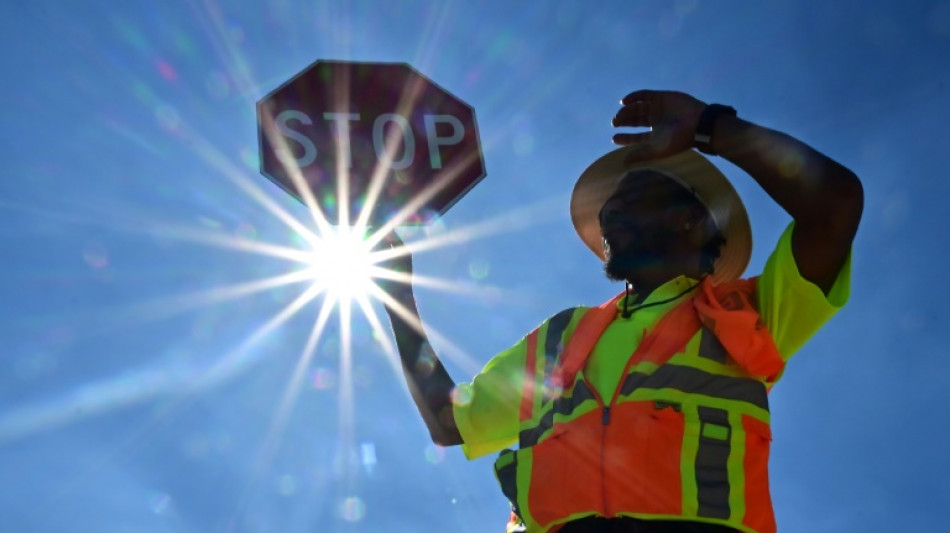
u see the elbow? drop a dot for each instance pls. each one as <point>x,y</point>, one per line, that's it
<point>844,203</point>
<point>851,195</point>
<point>442,430</point>
<point>851,185</point>
<point>834,208</point>
<point>446,433</point>
<point>446,438</point>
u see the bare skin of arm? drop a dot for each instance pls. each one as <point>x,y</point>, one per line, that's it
<point>823,197</point>
<point>429,383</point>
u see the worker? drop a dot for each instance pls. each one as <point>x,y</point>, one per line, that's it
<point>650,413</point>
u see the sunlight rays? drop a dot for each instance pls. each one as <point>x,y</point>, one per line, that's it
<point>449,350</point>
<point>275,431</point>
<point>526,216</point>
<point>171,305</point>
<point>455,287</point>
<point>345,402</point>
<point>221,240</point>
<point>262,299</point>
<point>338,261</point>
<point>293,171</point>
<point>290,394</point>
<point>131,387</point>
<point>218,161</point>
<point>241,357</point>
<point>407,100</point>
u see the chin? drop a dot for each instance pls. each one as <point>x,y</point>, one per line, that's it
<point>612,274</point>
<point>629,266</point>
<point>619,268</point>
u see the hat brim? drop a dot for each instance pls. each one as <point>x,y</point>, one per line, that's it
<point>692,170</point>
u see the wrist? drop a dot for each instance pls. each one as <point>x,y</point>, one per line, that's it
<point>705,133</point>
<point>730,133</point>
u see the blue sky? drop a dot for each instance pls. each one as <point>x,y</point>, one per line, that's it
<point>133,399</point>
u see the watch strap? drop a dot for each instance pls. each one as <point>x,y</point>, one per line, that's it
<point>707,121</point>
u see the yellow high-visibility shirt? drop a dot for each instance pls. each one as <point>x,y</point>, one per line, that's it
<point>487,409</point>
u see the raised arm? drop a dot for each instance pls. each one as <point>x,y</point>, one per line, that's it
<point>429,383</point>
<point>823,197</point>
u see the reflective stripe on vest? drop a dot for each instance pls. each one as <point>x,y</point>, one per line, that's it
<point>535,398</point>
<point>685,435</point>
<point>552,332</point>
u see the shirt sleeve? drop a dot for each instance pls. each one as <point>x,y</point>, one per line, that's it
<point>792,307</point>
<point>486,410</point>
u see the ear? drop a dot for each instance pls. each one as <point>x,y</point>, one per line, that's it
<point>701,217</point>
<point>691,220</point>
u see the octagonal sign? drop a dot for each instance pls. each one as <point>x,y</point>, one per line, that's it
<point>376,136</point>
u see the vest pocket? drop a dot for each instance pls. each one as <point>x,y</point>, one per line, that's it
<point>643,452</point>
<point>564,471</point>
<point>758,437</point>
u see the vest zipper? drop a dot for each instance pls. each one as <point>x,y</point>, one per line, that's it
<point>603,453</point>
<point>605,421</point>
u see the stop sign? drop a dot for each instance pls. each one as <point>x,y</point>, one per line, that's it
<point>338,127</point>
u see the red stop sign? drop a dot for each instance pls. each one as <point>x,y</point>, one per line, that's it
<point>352,121</point>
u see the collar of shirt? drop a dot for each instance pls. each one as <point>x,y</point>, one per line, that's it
<point>664,294</point>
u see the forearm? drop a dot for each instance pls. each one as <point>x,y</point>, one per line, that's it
<point>824,198</point>
<point>429,383</point>
<point>811,187</point>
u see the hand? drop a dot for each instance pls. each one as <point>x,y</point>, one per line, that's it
<point>397,264</point>
<point>672,117</point>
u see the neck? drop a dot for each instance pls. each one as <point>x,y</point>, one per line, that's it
<point>643,287</point>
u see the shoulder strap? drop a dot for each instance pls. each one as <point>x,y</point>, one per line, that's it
<point>588,331</point>
<point>669,336</point>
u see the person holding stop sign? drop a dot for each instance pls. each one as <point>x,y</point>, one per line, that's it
<point>650,413</point>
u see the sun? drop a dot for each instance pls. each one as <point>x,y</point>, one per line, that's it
<point>342,263</point>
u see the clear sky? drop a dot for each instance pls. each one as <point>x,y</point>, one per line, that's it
<point>147,382</point>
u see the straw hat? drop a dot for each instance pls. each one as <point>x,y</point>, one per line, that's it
<point>690,169</point>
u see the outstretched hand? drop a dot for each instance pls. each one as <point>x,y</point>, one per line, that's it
<point>672,117</point>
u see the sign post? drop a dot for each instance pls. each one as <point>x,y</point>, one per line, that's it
<point>369,142</point>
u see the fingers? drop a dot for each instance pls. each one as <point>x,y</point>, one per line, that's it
<point>388,242</point>
<point>639,109</point>
<point>671,117</point>
<point>633,115</point>
<point>643,95</point>
<point>392,253</point>
<point>626,139</point>
<point>640,146</point>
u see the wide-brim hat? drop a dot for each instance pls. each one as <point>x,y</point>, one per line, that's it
<point>691,170</point>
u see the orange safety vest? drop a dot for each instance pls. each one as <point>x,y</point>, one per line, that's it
<point>685,435</point>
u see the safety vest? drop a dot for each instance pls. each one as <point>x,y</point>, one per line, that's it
<point>685,435</point>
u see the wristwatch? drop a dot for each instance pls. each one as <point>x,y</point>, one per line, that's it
<point>707,121</point>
